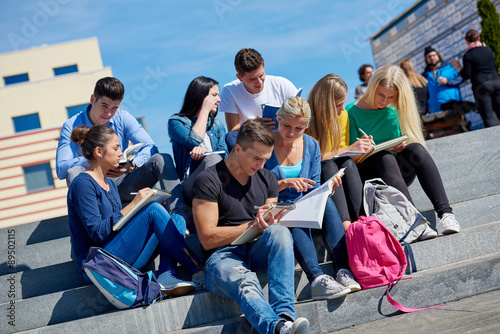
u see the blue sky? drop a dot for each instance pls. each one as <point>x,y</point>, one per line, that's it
<point>176,41</point>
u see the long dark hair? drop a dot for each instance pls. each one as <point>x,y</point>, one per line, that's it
<point>197,91</point>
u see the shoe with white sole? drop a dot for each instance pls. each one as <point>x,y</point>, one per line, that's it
<point>429,233</point>
<point>346,278</point>
<point>449,223</point>
<point>172,286</point>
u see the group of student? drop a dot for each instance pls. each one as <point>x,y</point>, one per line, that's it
<point>229,180</point>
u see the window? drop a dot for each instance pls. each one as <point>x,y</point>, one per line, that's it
<point>72,111</point>
<point>13,79</point>
<point>65,69</point>
<point>38,177</point>
<point>26,122</point>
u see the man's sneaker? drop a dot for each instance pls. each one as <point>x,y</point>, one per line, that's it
<point>199,279</point>
<point>327,288</point>
<point>429,233</point>
<point>449,223</point>
<point>346,278</point>
<point>299,326</point>
<point>172,286</point>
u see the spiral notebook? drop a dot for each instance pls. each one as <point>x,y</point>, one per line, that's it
<point>380,147</point>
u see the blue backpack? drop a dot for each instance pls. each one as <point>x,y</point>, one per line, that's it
<point>124,286</point>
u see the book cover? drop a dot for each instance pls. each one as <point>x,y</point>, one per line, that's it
<point>155,195</point>
<point>380,147</point>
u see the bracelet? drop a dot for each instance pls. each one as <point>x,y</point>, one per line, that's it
<point>131,169</point>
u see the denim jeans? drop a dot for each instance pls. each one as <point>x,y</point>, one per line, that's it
<point>137,242</point>
<point>333,237</point>
<point>232,272</point>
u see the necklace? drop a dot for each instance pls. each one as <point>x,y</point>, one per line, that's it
<point>288,158</point>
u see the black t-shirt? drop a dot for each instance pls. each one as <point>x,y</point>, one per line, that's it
<point>236,202</point>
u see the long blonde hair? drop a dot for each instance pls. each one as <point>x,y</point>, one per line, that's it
<point>324,125</point>
<point>416,80</point>
<point>393,77</point>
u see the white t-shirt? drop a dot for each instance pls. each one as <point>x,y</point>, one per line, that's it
<point>235,99</point>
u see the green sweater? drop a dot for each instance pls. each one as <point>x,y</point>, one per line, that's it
<point>382,124</point>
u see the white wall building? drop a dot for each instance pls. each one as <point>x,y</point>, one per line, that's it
<point>40,88</point>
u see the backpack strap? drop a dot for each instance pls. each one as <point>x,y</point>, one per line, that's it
<point>408,247</point>
<point>401,307</point>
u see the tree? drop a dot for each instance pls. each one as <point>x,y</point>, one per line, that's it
<point>490,27</point>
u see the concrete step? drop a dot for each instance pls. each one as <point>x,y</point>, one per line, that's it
<point>36,281</point>
<point>469,169</point>
<point>181,315</point>
<point>76,302</point>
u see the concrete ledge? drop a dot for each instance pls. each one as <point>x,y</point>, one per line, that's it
<point>468,168</point>
<point>432,287</point>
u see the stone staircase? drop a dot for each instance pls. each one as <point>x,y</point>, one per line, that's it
<point>43,293</point>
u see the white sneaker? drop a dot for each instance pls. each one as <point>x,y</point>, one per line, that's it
<point>299,326</point>
<point>449,223</point>
<point>429,233</point>
<point>346,278</point>
<point>327,288</point>
<point>172,286</point>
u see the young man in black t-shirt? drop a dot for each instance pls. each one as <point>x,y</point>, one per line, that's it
<point>229,198</point>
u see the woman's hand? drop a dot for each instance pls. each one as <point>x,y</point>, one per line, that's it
<point>209,102</point>
<point>363,144</point>
<point>398,148</point>
<point>301,184</point>
<point>198,152</point>
<point>337,181</point>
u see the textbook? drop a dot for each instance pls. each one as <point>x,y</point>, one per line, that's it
<point>350,154</point>
<point>269,111</point>
<point>380,147</point>
<point>126,157</point>
<point>307,211</point>
<point>155,195</point>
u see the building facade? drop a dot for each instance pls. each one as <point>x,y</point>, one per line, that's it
<point>440,23</point>
<point>40,89</point>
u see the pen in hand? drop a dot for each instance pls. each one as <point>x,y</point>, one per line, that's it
<point>364,133</point>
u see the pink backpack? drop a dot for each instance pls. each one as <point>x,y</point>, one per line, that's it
<point>376,257</point>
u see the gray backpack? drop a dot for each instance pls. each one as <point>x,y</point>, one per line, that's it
<point>393,208</point>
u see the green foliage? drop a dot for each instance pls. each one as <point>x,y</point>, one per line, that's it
<point>490,27</point>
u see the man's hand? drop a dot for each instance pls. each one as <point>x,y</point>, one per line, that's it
<point>120,170</point>
<point>442,81</point>
<point>269,122</point>
<point>264,218</point>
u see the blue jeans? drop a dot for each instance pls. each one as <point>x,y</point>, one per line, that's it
<point>333,237</point>
<point>232,272</point>
<point>137,242</point>
<point>305,252</point>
